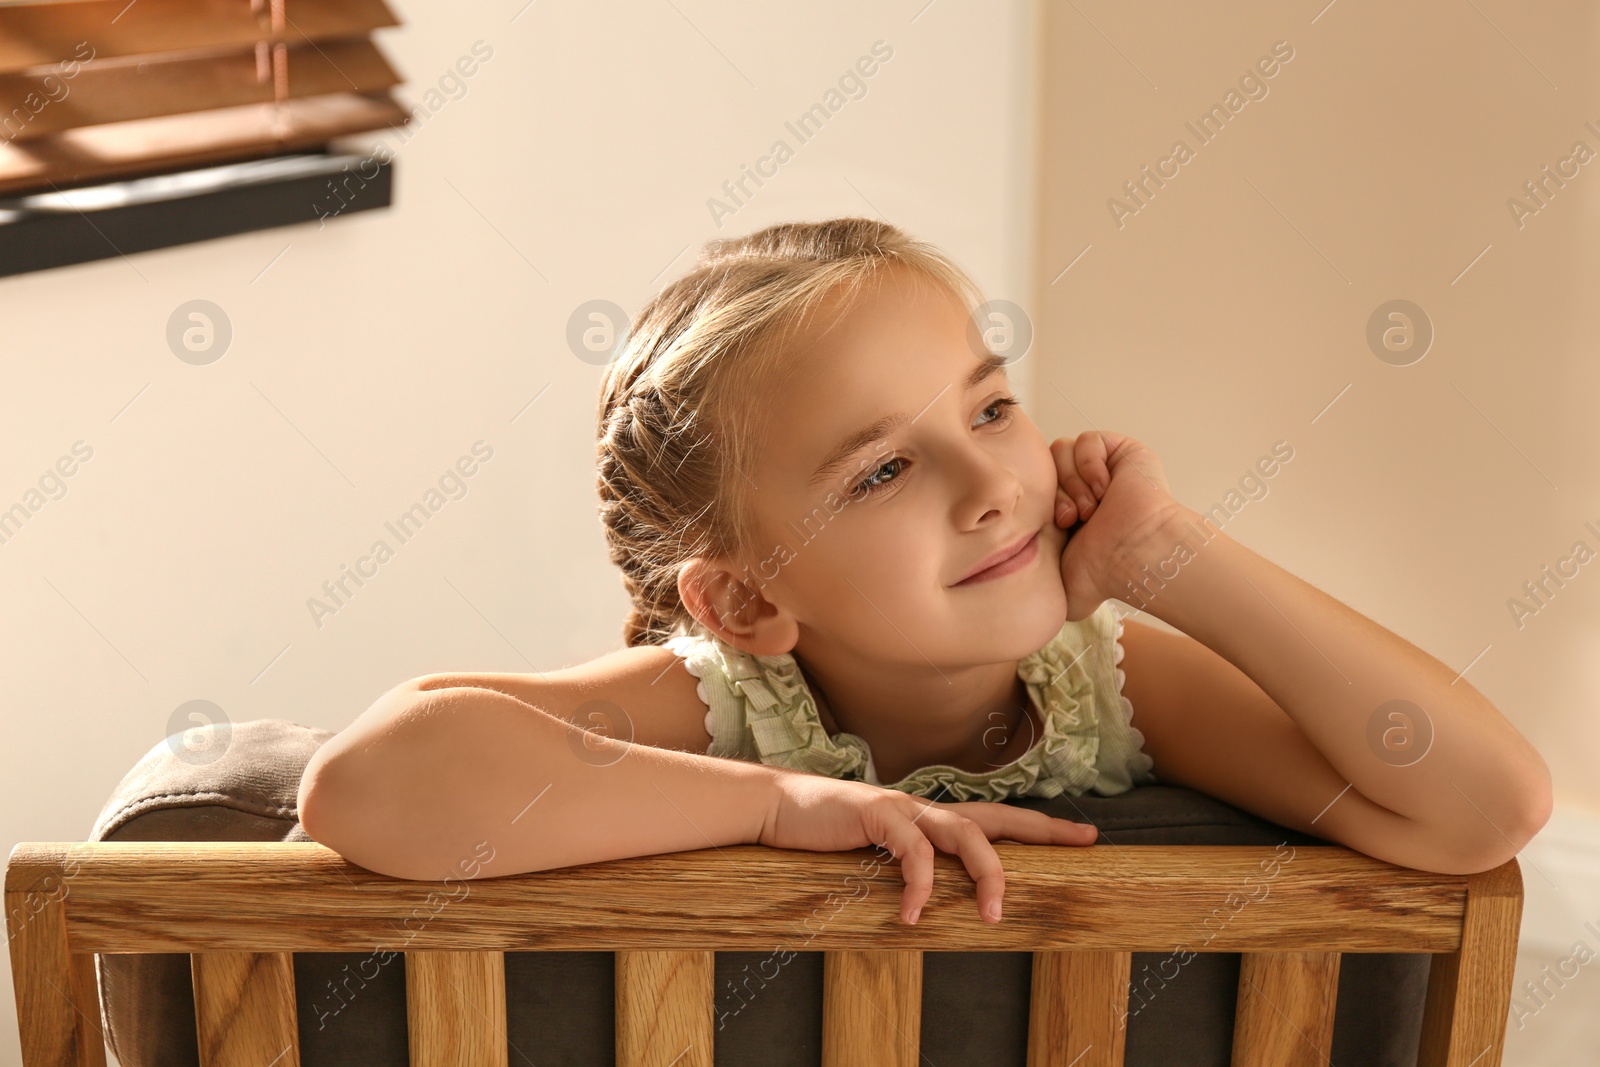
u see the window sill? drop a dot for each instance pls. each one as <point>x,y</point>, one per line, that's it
<point>86,223</point>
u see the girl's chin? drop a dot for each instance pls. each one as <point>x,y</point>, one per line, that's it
<point>1051,617</point>
<point>1028,618</point>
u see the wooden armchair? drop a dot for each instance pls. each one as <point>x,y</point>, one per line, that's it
<point>242,909</point>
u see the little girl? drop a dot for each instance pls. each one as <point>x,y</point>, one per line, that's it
<point>870,601</point>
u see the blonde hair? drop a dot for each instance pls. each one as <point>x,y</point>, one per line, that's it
<point>677,432</point>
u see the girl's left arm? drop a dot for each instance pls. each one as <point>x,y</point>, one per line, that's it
<point>1286,702</point>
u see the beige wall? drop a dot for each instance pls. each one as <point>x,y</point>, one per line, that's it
<point>376,351</point>
<point>1229,310</point>
<point>368,356</point>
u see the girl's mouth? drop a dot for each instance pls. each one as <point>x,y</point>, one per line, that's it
<point>1011,564</point>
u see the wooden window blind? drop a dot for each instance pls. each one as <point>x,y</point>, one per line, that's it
<point>105,89</point>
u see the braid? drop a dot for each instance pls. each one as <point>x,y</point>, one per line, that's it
<point>648,465</point>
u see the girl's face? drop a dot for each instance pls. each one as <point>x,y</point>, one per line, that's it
<point>893,463</point>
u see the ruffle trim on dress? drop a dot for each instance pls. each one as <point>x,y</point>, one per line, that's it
<point>782,720</point>
<point>1141,764</point>
<point>1058,683</point>
<point>785,724</point>
<point>680,646</point>
<point>789,732</point>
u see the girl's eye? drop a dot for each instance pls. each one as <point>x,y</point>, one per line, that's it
<point>1005,404</point>
<point>868,484</point>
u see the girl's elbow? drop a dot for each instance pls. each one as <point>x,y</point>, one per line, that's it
<point>1491,845</point>
<point>313,805</point>
<point>1483,856</point>
<point>343,815</point>
<point>1487,835</point>
<point>1470,844</point>
<point>1445,857</point>
<point>1531,805</point>
<point>1538,803</point>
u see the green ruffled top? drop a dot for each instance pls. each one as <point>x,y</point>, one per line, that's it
<point>759,708</point>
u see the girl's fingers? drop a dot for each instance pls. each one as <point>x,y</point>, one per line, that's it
<point>1066,510</point>
<point>914,852</point>
<point>1078,491</point>
<point>1028,827</point>
<point>1069,463</point>
<point>1051,831</point>
<point>1089,456</point>
<point>966,829</point>
<point>968,840</point>
<point>1062,450</point>
<point>909,845</point>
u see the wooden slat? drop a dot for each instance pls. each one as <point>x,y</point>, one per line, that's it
<point>120,90</point>
<point>665,1009</point>
<point>1285,1009</point>
<point>39,34</point>
<point>871,1009</point>
<point>1077,1015</point>
<point>58,1001</point>
<point>171,896</point>
<point>456,1009</point>
<point>245,1009</point>
<point>1469,991</point>
<point>142,146</point>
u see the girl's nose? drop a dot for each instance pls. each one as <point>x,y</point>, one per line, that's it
<point>981,485</point>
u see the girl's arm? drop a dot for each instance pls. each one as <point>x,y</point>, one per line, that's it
<point>465,776</point>
<point>1348,731</point>
<point>1292,704</point>
<point>445,765</point>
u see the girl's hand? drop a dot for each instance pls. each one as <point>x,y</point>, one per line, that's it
<point>823,814</point>
<point>1115,487</point>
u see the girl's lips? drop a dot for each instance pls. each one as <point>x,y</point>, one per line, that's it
<point>1024,556</point>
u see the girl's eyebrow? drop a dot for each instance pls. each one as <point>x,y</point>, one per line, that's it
<point>987,367</point>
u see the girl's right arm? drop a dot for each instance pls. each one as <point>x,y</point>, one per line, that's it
<point>442,765</point>
<point>443,762</point>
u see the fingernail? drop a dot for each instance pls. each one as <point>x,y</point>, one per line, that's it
<point>916,913</point>
<point>994,912</point>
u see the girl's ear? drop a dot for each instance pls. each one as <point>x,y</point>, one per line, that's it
<point>735,610</point>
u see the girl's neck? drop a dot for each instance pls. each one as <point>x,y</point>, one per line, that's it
<point>976,719</point>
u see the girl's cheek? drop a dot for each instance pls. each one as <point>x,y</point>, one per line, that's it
<point>904,550</point>
<point>1035,464</point>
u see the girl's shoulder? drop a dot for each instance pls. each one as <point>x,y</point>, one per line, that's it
<point>641,694</point>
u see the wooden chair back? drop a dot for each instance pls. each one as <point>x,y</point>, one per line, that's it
<point>242,909</point>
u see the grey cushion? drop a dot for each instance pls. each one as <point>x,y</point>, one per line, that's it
<point>242,786</point>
